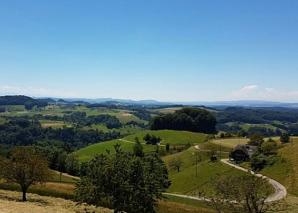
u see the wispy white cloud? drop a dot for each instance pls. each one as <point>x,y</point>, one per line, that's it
<point>34,91</point>
<point>256,92</point>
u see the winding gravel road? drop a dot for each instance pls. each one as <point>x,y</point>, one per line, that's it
<point>280,191</point>
<point>279,194</point>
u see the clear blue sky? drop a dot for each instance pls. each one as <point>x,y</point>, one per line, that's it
<point>171,50</point>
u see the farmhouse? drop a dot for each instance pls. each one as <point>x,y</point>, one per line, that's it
<point>242,152</point>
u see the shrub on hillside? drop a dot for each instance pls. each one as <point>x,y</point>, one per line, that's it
<point>285,138</point>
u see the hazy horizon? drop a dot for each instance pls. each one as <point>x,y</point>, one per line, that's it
<point>172,51</point>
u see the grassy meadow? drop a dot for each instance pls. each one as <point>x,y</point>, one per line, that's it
<point>172,137</point>
<point>229,142</point>
<point>193,178</point>
<point>285,170</point>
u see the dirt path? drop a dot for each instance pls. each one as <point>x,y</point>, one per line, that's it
<point>188,197</point>
<point>280,191</point>
<point>67,175</point>
<point>123,140</point>
<point>197,147</point>
<point>10,203</point>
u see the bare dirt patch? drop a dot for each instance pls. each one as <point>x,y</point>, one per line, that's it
<point>10,203</point>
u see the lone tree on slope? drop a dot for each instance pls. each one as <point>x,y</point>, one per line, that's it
<point>25,167</point>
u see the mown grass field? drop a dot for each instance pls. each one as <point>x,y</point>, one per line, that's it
<point>53,124</point>
<point>166,110</point>
<point>193,178</point>
<point>123,115</point>
<point>230,142</point>
<point>247,126</point>
<point>172,137</point>
<point>285,170</point>
<point>168,136</point>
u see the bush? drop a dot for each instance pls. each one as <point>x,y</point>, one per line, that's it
<point>260,161</point>
<point>269,147</point>
<point>285,138</point>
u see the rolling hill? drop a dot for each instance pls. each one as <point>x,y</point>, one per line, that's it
<point>171,137</point>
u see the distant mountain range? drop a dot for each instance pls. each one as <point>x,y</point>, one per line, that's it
<point>112,101</point>
<point>244,103</point>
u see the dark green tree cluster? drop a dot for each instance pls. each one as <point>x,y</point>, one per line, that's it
<point>142,114</point>
<point>19,131</point>
<point>151,139</point>
<point>257,115</point>
<point>266,153</point>
<point>256,140</point>
<point>28,102</point>
<point>189,119</point>
<point>285,138</point>
<point>2,109</point>
<point>55,144</point>
<point>125,181</point>
<point>58,158</point>
<point>137,124</point>
<point>81,119</point>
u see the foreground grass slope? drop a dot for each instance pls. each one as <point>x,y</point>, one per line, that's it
<point>9,203</point>
<point>168,136</point>
<point>196,178</point>
<point>285,170</point>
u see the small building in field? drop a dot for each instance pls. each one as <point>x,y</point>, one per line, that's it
<point>242,152</point>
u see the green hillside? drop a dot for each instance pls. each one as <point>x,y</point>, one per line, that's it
<point>168,136</point>
<point>172,137</point>
<point>193,179</point>
<point>285,170</point>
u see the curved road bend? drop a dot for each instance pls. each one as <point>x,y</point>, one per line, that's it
<point>280,191</point>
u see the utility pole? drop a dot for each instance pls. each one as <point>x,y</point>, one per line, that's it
<point>196,163</point>
<point>219,151</point>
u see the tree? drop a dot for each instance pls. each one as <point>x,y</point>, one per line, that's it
<point>175,163</point>
<point>258,161</point>
<point>61,161</point>
<point>138,148</point>
<point>269,147</point>
<point>284,138</point>
<point>167,147</point>
<point>245,194</point>
<point>124,182</point>
<point>72,164</point>
<point>25,167</point>
<point>213,156</point>
<point>147,137</point>
<point>151,139</point>
<point>256,140</point>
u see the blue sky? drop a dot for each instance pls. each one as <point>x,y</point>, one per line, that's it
<point>169,50</point>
